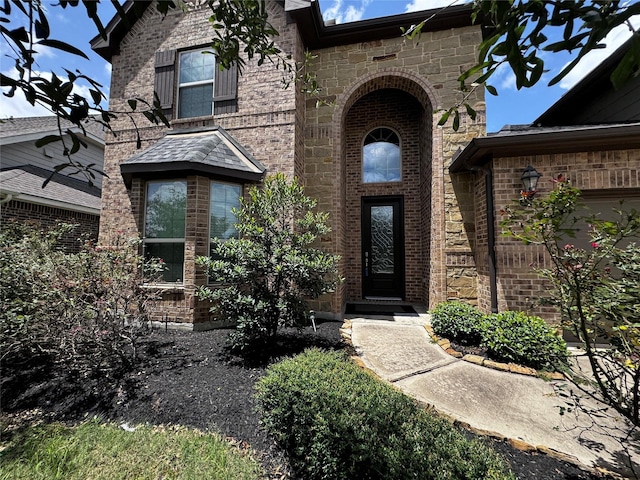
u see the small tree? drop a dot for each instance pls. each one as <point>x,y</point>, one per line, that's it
<point>596,289</point>
<point>266,275</point>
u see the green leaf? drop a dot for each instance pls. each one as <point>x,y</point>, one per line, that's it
<point>47,140</point>
<point>444,118</point>
<point>471,111</point>
<point>63,46</point>
<point>96,96</point>
<point>42,25</point>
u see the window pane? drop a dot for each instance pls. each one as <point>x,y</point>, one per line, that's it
<point>381,162</point>
<point>196,101</point>
<point>196,66</point>
<point>166,209</point>
<point>172,255</point>
<point>224,197</point>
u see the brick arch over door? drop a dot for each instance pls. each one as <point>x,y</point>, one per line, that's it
<point>430,178</point>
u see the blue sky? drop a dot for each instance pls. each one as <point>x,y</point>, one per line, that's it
<point>509,107</point>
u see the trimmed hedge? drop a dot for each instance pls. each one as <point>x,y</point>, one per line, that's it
<point>508,336</point>
<point>458,321</point>
<point>528,340</point>
<point>336,421</point>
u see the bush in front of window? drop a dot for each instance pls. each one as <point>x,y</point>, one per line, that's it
<point>266,275</point>
<point>68,319</point>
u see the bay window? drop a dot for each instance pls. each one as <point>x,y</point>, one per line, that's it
<point>164,225</point>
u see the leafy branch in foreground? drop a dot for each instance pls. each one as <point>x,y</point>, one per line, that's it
<point>596,289</point>
<point>520,35</point>
<point>237,24</point>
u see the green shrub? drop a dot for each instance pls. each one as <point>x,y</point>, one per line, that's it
<point>74,316</point>
<point>457,321</point>
<point>336,421</point>
<point>527,340</point>
<point>267,275</point>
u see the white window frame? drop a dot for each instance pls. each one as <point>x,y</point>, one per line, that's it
<point>211,81</point>
<point>364,139</point>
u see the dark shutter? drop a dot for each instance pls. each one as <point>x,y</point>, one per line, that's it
<point>164,81</point>
<point>226,90</point>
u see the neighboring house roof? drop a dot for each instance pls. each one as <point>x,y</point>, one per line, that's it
<point>24,183</point>
<point>212,151</point>
<point>595,85</point>
<point>316,33</point>
<point>559,129</point>
<point>13,130</point>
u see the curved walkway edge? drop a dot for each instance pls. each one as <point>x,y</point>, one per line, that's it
<point>525,410</point>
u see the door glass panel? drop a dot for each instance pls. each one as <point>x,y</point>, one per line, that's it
<point>382,239</point>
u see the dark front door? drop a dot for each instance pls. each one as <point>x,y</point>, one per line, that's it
<point>382,247</point>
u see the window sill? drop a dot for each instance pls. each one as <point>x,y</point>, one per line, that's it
<point>165,287</point>
<point>185,121</point>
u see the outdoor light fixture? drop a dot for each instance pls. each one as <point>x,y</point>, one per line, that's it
<point>529,180</point>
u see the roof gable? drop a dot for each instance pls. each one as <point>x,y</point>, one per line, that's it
<point>312,27</point>
<point>594,100</point>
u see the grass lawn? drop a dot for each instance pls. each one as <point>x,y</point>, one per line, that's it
<point>105,451</point>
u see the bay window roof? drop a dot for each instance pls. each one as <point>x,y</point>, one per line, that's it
<point>211,152</point>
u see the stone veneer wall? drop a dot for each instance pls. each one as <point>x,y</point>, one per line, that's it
<point>427,70</point>
<point>518,286</point>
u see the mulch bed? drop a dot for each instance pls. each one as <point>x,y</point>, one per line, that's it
<point>191,379</point>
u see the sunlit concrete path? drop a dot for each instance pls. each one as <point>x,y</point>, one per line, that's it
<point>522,408</point>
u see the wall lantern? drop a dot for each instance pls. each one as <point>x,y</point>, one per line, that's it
<point>529,180</point>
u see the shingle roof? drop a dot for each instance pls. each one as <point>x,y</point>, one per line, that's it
<point>25,126</point>
<point>518,140</point>
<point>25,183</point>
<point>211,151</point>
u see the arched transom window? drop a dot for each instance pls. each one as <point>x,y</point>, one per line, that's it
<point>381,156</point>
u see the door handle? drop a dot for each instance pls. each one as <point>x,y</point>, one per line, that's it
<point>366,264</point>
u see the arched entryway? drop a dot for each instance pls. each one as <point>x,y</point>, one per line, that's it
<point>386,233</point>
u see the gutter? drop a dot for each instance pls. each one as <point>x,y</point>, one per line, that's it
<point>22,197</point>
<point>544,141</point>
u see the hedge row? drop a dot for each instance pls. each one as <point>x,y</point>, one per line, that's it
<point>508,336</point>
<point>336,422</point>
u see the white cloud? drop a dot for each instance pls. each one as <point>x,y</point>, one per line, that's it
<point>503,78</point>
<point>616,37</point>
<point>417,5</point>
<point>18,106</point>
<point>344,14</point>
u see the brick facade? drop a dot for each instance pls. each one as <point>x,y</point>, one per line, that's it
<point>47,217</point>
<point>393,82</point>
<point>597,174</point>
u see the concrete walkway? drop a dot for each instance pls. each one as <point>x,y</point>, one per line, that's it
<point>521,408</point>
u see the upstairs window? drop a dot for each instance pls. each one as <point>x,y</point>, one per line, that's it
<point>164,225</point>
<point>199,88</point>
<point>381,156</point>
<point>196,81</point>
